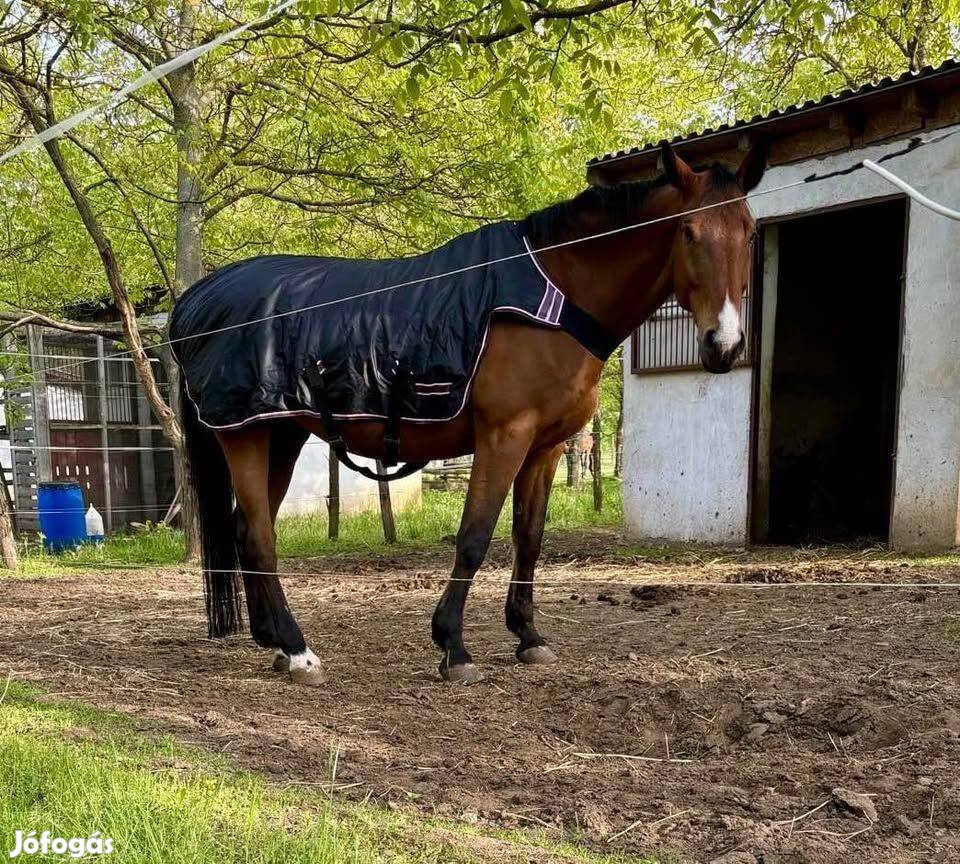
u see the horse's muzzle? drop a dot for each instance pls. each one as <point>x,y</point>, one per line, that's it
<point>714,358</point>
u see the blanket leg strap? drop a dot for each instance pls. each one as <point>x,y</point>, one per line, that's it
<point>314,377</point>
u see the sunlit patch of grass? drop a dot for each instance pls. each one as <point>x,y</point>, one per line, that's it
<point>151,545</point>
<point>72,770</point>
<point>437,519</point>
<point>431,522</point>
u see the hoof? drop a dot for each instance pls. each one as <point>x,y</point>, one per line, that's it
<point>465,673</point>
<point>538,655</point>
<point>312,676</point>
<point>305,670</point>
<point>281,662</point>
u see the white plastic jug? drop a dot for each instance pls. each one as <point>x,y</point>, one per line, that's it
<point>94,525</point>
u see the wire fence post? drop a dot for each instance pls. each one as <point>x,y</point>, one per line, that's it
<point>41,414</point>
<point>386,508</point>
<point>107,502</point>
<point>596,466</point>
<point>333,498</point>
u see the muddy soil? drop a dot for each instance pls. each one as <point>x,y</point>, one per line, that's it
<point>748,720</point>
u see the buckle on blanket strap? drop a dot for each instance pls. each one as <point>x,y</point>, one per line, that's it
<point>313,375</point>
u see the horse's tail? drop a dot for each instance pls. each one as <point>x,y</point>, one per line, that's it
<point>214,492</point>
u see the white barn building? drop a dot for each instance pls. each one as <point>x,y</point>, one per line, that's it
<point>310,484</point>
<point>842,422</point>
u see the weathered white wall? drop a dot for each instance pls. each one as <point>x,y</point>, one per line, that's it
<point>928,440</point>
<point>309,485</point>
<point>927,476</point>
<point>686,449</point>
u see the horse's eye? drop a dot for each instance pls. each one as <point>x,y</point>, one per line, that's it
<point>688,233</point>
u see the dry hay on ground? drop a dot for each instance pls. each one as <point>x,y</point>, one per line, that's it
<point>709,721</point>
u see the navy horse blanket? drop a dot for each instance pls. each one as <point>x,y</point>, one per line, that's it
<point>245,335</point>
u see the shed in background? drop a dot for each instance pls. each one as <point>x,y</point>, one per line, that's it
<point>842,423</point>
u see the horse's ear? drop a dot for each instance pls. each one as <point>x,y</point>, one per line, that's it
<point>751,169</point>
<point>677,172</point>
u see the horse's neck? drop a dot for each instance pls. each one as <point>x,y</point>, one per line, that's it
<point>623,278</point>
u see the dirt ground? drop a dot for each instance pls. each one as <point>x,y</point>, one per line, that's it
<point>758,722</point>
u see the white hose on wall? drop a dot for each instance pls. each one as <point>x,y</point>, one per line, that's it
<point>919,197</point>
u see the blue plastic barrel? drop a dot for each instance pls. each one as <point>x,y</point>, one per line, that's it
<point>61,511</point>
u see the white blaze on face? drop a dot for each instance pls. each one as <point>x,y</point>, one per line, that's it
<point>728,327</point>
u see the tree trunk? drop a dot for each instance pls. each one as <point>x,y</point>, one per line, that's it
<point>618,434</point>
<point>386,508</point>
<point>596,466</point>
<point>618,441</point>
<point>187,127</point>
<point>165,416</point>
<point>186,124</point>
<point>188,266</point>
<point>333,498</point>
<point>573,461</point>
<point>8,543</point>
<point>189,508</point>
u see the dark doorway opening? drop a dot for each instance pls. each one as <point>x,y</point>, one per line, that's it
<point>834,378</point>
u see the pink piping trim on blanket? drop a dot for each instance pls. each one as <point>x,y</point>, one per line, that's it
<point>553,297</point>
<point>420,386</point>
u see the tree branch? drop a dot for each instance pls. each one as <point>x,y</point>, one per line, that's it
<point>21,317</point>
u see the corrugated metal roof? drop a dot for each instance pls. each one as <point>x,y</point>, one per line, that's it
<point>951,66</point>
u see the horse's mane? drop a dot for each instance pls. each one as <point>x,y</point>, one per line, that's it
<point>608,207</point>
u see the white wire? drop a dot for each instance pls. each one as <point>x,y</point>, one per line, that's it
<point>59,448</point>
<point>919,197</point>
<point>148,77</point>
<point>311,442</point>
<point>560,583</point>
<point>344,496</point>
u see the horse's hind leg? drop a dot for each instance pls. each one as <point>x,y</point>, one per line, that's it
<point>531,492</point>
<point>499,453</point>
<point>272,624</point>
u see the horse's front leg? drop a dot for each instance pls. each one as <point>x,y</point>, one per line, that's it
<point>499,453</point>
<point>531,493</point>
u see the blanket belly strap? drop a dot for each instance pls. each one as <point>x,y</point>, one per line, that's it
<point>588,331</point>
<point>313,375</point>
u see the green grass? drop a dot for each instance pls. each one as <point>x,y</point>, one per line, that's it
<point>434,522</point>
<point>427,524</point>
<point>72,770</point>
<point>437,518</point>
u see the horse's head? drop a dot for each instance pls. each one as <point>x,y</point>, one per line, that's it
<point>712,251</point>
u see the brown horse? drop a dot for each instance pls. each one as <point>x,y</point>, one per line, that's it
<point>533,389</point>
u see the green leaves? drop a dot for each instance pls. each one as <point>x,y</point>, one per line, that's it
<point>514,12</point>
<point>371,128</point>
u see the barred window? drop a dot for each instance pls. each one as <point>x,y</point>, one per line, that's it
<point>667,341</point>
<point>71,386</point>
<point>121,389</point>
